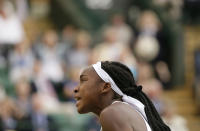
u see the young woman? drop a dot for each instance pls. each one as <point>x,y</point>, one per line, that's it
<point>108,89</point>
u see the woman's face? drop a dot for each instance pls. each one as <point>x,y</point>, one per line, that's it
<point>87,93</point>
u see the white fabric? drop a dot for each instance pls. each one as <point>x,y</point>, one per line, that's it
<point>130,100</point>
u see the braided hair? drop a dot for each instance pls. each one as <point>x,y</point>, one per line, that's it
<point>124,79</point>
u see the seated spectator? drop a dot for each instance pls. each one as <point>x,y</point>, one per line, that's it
<point>109,49</point>
<point>68,35</point>
<point>147,46</point>
<point>9,114</point>
<point>44,88</point>
<point>38,117</point>
<point>21,61</point>
<point>38,120</point>
<point>23,97</point>
<point>51,53</point>
<point>151,86</point>
<point>11,28</point>
<point>112,49</point>
<point>175,121</point>
<point>79,54</point>
<point>123,32</point>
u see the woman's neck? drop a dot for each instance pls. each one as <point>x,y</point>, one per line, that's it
<point>107,102</point>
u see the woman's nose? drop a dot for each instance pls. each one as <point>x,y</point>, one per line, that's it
<point>76,89</point>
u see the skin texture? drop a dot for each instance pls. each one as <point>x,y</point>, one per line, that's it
<point>121,117</point>
<point>94,95</point>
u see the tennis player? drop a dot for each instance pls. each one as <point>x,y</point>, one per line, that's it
<point>108,89</point>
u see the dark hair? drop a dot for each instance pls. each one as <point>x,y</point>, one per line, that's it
<point>124,79</point>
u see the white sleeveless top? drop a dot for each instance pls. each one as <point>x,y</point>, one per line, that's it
<point>146,123</point>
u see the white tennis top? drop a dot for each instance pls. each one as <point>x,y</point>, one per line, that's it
<point>146,123</point>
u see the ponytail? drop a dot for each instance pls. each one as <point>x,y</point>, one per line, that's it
<point>124,79</point>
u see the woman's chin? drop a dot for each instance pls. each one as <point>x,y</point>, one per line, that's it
<point>81,110</point>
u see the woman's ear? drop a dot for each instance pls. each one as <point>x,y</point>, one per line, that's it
<point>106,88</point>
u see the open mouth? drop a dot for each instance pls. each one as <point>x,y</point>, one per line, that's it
<point>77,100</point>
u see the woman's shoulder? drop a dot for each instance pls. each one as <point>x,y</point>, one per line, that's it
<point>118,110</point>
<point>111,119</point>
<point>122,111</point>
<point>122,115</point>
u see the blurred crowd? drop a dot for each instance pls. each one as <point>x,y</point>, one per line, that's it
<point>44,71</point>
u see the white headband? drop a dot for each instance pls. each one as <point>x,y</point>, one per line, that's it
<point>130,100</point>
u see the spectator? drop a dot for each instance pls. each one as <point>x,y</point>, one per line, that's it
<point>51,54</point>
<point>68,35</point>
<point>39,119</point>
<point>9,113</point>
<point>147,46</point>
<point>123,33</point>
<point>109,49</point>
<point>23,99</point>
<point>78,56</point>
<point>173,120</point>
<point>11,28</point>
<point>151,86</point>
<point>44,88</point>
<point>21,61</point>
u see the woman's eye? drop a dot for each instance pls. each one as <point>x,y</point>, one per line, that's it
<point>82,80</point>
